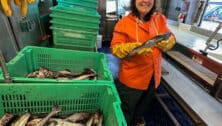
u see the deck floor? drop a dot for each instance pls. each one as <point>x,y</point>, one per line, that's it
<point>204,105</point>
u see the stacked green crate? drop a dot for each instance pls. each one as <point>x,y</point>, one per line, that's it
<point>75,24</point>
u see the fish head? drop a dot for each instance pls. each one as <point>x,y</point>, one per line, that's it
<point>165,36</point>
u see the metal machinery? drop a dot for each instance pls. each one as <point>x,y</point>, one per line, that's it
<point>198,77</point>
<point>17,32</point>
<point>109,17</point>
<point>194,78</point>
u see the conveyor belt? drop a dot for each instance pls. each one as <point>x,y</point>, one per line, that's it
<point>194,67</point>
<point>201,103</point>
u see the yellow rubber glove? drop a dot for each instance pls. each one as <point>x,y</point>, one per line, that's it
<point>121,50</point>
<point>166,45</point>
<point>145,51</point>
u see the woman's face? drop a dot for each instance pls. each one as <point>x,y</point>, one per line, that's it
<point>144,6</point>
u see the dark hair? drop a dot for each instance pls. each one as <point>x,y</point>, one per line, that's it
<point>148,15</point>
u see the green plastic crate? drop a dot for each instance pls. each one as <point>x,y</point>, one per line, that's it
<point>74,27</point>
<point>40,98</point>
<point>72,42</point>
<point>73,47</point>
<point>88,4</point>
<point>78,22</point>
<point>31,58</point>
<point>80,7</point>
<point>67,12</point>
<point>73,38</point>
<point>73,33</point>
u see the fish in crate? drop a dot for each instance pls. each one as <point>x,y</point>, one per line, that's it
<point>52,119</point>
<point>42,72</point>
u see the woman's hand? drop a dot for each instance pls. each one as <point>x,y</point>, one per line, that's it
<point>145,51</point>
<point>166,45</point>
<point>123,49</point>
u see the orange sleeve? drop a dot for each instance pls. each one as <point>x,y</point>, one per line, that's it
<point>118,35</point>
<point>161,20</point>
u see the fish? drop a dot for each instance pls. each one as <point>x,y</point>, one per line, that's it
<point>149,44</point>
<point>61,122</point>
<point>100,123</point>
<point>54,111</point>
<point>22,120</point>
<point>78,117</point>
<point>95,119</point>
<point>85,77</point>
<point>34,122</point>
<point>90,121</point>
<point>54,122</point>
<point>5,119</point>
<point>87,74</point>
<point>66,74</point>
<point>41,73</point>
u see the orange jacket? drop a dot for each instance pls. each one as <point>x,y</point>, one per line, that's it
<point>138,72</point>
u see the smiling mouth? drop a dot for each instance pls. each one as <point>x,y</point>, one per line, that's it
<point>144,5</point>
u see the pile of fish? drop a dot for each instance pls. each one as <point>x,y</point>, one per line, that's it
<point>76,119</point>
<point>87,74</point>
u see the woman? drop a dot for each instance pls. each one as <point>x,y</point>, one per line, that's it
<point>139,77</point>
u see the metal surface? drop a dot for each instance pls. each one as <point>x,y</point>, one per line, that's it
<point>189,43</point>
<point>107,21</point>
<point>216,90</point>
<point>218,94</point>
<point>172,13</point>
<point>31,36</point>
<point>200,106</point>
<point>209,80</point>
<point>7,42</point>
<point>208,45</point>
<point>108,27</point>
<point>193,67</point>
<point>6,75</point>
<point>198,121</point>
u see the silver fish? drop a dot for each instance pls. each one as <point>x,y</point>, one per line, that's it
<point>100,121</point>
<point>52,113</point>
<point>149,44</point>
<point>41,73</point>
<point>22,120</point>
<point>90,121</point>
<point>86,74</point>
<point>85,77</point>
<point>61,122</point>
<point>77,117</point>
<point>94,120</point>
<point>5,119</point>
<point>34,122</point>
